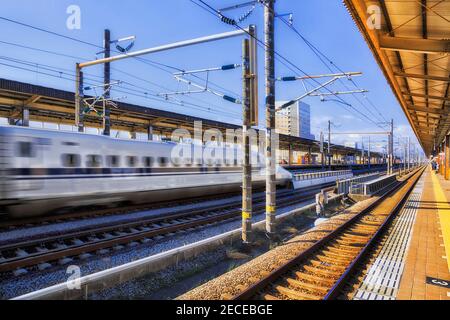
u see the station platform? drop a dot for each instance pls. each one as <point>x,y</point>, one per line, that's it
<point>414,260</point>
<point>427,267</point>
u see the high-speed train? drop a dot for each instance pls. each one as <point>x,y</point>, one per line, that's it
<point>43,171</point>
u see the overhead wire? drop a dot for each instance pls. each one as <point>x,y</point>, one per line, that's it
<point>129,91</point>
<point>320,54</point>
<point>158,65</point>
<point>278,56</point>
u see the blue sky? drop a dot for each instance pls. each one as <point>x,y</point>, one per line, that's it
<point>326,23</point>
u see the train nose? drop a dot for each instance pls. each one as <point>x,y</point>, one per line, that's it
<point>283,174</point>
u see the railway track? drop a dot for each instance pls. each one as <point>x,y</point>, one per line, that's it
<point>89,213</point>
<point>63,248</point>
<point>325,269</point>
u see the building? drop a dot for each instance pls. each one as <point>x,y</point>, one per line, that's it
<point>294,120</point>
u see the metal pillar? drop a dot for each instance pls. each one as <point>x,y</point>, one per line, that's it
<point>247,169</point>
<point>447,157</point>
<point>79,115</point>
<point>107,81</point>
<point>290,155</point>
<point>150,133</point>
<point>269,35</point>
<point>368,155</point>
<point>25,117</point>
<point>310,156</point>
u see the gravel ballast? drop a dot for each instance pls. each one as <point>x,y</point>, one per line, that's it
<point>234,281</point>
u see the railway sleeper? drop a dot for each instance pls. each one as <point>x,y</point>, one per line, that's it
<point>349,250</point>
<point>367,224</point>
<point>313,279</point>
<point>295,295</point>
<point>327,265</point>
<point>350,242</point>
<point>352,239</point>
<point>348,235</point>
<point>326,259</point>
<point>338,255</point>
<point>307,286</point>
<point>322,271</point>
<point>269,297</point>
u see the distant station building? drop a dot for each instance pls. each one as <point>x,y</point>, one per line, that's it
<point>294,120</point>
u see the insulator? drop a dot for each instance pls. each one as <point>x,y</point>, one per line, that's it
<point>288,104</point>
<point>229,67</point>
<point>288,78</point>
<point>231,99</point>
<point>228,20</point>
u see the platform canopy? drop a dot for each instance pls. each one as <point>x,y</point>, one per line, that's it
<point>410,40</point>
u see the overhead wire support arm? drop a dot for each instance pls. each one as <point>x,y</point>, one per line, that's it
<point>334,77</point>
<point>221,68</point>
<point>170,46</point>
<point>202,88</point>
<point>330,75</point>
<point>333,93</point>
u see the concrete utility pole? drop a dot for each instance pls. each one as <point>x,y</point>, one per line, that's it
<point>368,154</point>
<point>391,149</point>
<point>405,156</point>
<point>409,153</point>
<point>269,39</point>
<point>107,81</point>
<point>322,150</point>
<point>362,151</point>
<point>329,145</point>
<point>79,121</point>
<point>247,169</point>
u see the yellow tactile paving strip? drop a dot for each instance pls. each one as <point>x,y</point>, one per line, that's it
<point>426,253</point>
<point>444,213</point>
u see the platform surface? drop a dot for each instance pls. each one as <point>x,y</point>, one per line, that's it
<point>426,275</point>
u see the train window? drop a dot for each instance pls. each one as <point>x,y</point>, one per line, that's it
<point>71,160</point>
<point>93,161</point>
<point>163,161</point>
<point>25,149</point>
<point>148,161</point>
<point>113,161</point>
<point>70,143</point>
<point>132,161</point>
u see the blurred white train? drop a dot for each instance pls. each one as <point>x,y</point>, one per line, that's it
<point>45,170</point>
